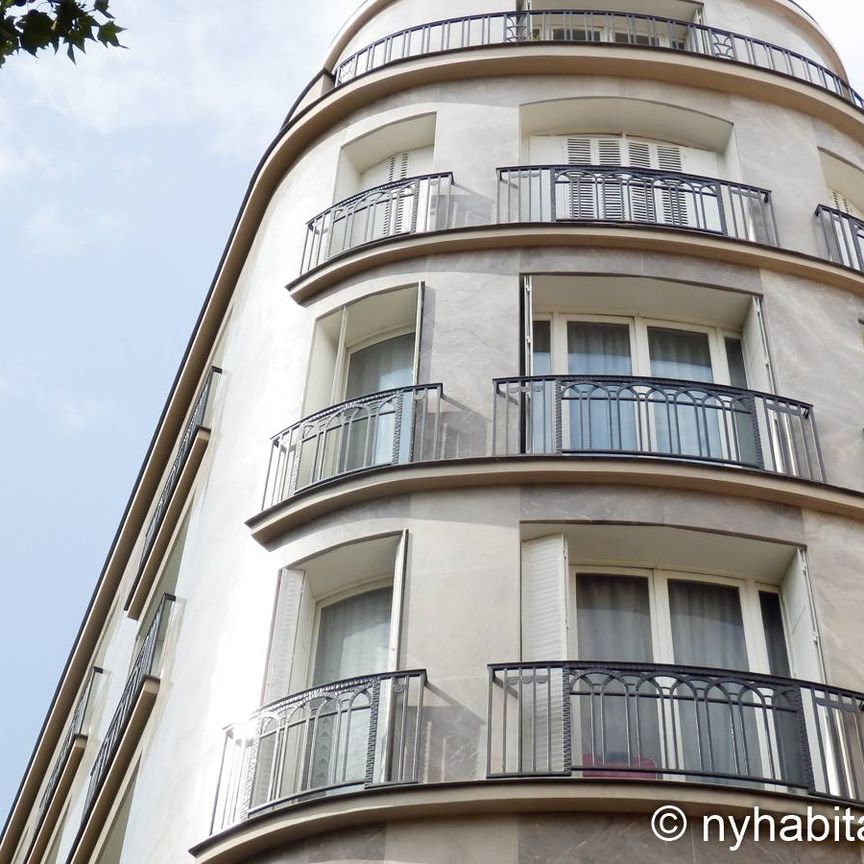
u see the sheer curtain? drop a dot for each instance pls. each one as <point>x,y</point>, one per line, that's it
<point>684,424</point>
<point>718,729</point>
<point>601,416</point>
<point>613,624</point>
<point>367,434</point>
<point>353,638</point>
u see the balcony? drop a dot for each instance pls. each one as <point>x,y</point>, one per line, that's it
<point>415,205</point>
<point>395,427</point>
<point>639,722</point>
<point>587,28</point>
<point>132,710</point>
<point>635,196</point>
<point>843,235</point>
<point>655,417</point>
<point>165,515</point>
<point>341,737</point>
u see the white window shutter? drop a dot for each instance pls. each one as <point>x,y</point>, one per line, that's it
<point>755,344</point>
<point>544,599</point>
<point>843,204</point>
<point>286,638</point>
<point>548,149</point>
<point>609,151</point>
<point>804,650</point>
<point>399,566</point>
<point>578,150</point>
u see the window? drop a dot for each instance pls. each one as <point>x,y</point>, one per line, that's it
<point>336,623</point>
<point>663,656</point>
<point>385,160</point>
<point>166,584</point>
<point>364,367</point>
<point>603,407</point>
<point>337,616</point>
<point>651,191</point>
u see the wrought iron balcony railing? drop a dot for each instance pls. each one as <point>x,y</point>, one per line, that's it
<point>197,420</point>
<point>77,728</point>
<point>415,205</point>
<point>640,721</point>
<point>348,735</point>
<point>394,427</point>
<point>843,236</point>
<point>565,27</point>
<point>147,664</point>
<point>624,415</point>
<point>595,193</point>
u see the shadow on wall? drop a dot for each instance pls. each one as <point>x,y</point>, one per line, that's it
<point>453,741</point>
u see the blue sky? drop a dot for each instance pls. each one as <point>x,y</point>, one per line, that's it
<point>119,181</point>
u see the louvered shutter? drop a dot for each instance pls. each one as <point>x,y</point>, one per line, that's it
<point>844,205</point>
<point>641,200</point>
<point>544,599</point>
<point>540,690</point>
<point>290,639</point>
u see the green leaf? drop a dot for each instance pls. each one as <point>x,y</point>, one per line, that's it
<point>107,34</point>
<point>36,31</point>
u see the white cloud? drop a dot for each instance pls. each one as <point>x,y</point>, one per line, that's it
<point>228,76</point>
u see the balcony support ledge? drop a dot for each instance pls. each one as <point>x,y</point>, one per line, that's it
<point>593,235</point>
<point>493,797</point>
<point>656,472</point>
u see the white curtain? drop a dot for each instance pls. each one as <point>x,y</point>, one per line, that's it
<point>718,728</point>
<point>367,434</point>
<point>618,717</point>
<point>353,637</point>
<point>601,417</point>
<point>684,424</point>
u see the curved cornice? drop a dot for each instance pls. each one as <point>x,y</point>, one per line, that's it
<point>370,8</point>
<point>658,473</point>
<point>593,235</point>
<point>491,798</point>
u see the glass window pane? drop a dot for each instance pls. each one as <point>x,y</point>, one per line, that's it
<point>613,620</point>
<point>353,637</point>
<point>707,625</point>
<point>735,358</point>
<point>542,356</point>
<point>598,349</point>
<point>679,354</point>
<point>385,365</point>
<point>775,637</point>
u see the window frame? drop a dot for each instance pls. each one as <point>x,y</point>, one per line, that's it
<point>338,596</point>
<point>638,327</point>
<point>658,579</point>
<point>349,349</point>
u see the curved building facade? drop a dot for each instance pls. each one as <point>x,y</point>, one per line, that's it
<point>512,484</point>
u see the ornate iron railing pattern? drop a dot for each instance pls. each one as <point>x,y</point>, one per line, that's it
<point>197,421</point>
<point>597,193</point>
<point>625,415</point>
<point>843,236</point>
<point>351,734</point>
<point>415,205</point>
<point>658,722</point>
<point>146,664</point>
<point>394,427</point>
<point>76,727</point>
<point>569,27</point>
